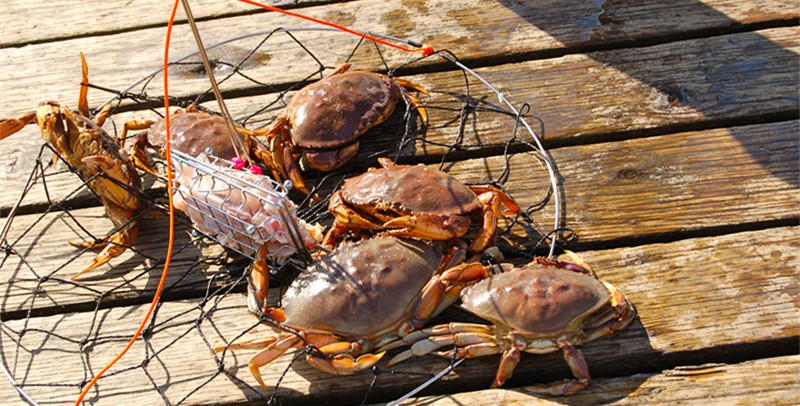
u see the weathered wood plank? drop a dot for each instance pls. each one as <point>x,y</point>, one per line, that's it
<point>577,23</point>
<point>718,299</point>
<point>36,275</point>
<point>771,381</point>
<point>573,96</point>
<point>669,184</point>
<point>613,191</point>
<point>25,22</point>
<point>453,27</point>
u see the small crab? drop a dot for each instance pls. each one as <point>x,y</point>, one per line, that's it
<point>542,307</point>
<point>356,299</point>
<point>416,201</point>
<point>193,132</point>
<point>79,139</point>
<point>323,121</point>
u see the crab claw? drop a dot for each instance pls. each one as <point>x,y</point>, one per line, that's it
<point>258,282</point>
<point>258,288</point>
<point>343,364</point>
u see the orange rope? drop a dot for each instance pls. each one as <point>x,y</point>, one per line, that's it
<point>425,51</point>
<point>168,259</point>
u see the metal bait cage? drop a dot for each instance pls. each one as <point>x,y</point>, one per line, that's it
<point>239,210</point>
<point>50,323</point>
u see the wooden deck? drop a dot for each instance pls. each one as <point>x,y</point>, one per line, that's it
<point>674,128</point>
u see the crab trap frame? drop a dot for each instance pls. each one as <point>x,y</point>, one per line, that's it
<point>53,326</point>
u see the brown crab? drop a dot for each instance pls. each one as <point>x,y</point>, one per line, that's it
<point>416,201</point>
<point>96,157</point>
<point>542,307</point>
<point>359,297</point>
<point>193,132</point>
<point>323,121</point>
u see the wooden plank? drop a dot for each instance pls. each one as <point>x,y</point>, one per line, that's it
<point>36,275</point>
<point>578,23</point>
<point>613,191</point>
<point>621,190</point>
<point>25,23</point>
<point>669,184</point>
<point>568,100</point>
<point>451,27</point>
<point>726,299</point>
<point>771,381</point>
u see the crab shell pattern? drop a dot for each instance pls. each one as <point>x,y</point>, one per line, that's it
<point>542,307</point>
<point>358,298</point>
<point>416,201</point>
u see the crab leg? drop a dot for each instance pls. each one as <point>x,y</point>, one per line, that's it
<point>12,125</point>
<point>432,338</point>
<point>258,288</point>
<point>114,245</point>
<point>619,314</point>
<point>567,387</point>
<point>508,362</point>
<point>273,350</point>
<point>408,85</point>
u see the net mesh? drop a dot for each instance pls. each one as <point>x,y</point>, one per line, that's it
<point>56,333</point>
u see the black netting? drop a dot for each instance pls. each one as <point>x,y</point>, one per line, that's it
<point>53,326</point>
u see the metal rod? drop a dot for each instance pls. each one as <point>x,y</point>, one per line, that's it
<point>236,140</point>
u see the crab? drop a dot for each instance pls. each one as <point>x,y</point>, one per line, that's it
<point>542,307</point>
<point>193,132</point>
<point>356,299</point>
<point>417,201</point>
<point>96,157</point>
<point>323,121</point>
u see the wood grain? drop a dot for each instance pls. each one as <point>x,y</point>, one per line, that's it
<point>693,296</point>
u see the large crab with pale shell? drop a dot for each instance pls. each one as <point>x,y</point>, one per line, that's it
<point>363,295</point>
<point>542,307</point>
<point>323,121</point>
<point>419,202</point>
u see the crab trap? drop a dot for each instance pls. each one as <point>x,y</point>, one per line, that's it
<point>56,333</point>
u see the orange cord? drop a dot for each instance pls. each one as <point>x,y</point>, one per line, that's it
<point>425,51</point>
<point>168,259</point>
